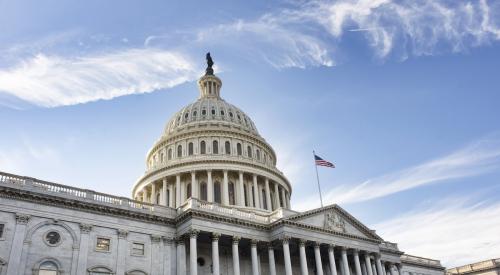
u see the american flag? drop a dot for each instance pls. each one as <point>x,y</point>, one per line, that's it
<point>322,162</point>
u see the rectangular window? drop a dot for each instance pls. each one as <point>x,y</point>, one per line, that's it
<point>2,226</point>
<point>138,249</point>
<point>103,244</point>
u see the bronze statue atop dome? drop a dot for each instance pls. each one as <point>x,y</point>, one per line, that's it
<point>210,63</point>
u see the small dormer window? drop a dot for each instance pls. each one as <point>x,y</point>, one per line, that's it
<point>203,112</point>
<point>221,112</point>
<point>213,112</point>
<point>231,114</point>
<point>239,117</point>
<point>194,113</point>
<point>186,115</point>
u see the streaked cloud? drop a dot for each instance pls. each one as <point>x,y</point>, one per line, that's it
<point>454,230</point>
<point>50,80</point>
<point>478,158</point>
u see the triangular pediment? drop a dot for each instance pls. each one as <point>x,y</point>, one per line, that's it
<point>334,218</point>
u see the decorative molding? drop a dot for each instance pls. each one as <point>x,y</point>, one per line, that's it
<point>85,228</point>
<point>167,240</point>
<point>236,239</point>
<point>254,242</point>
<point>285,239</point>
<point>193,233</point>
<point>155,238</point>
<point>122,234</point>
<point>22,218</point>
<point>334,221</point>
<point>302,242</point>
<point>215,236</point>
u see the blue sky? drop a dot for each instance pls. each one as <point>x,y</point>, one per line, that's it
<point>403,96</point>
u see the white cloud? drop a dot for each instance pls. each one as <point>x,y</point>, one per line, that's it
<point>480,157</point>
<point>51,81</point>
<point>309,34</point>
<point>452,231</point>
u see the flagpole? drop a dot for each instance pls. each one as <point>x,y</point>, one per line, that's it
<point>317,178</point>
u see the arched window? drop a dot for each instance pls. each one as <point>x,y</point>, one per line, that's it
<point>228,148</point>
<point>162,158</point>
<point>179,151</point>
<point>203,147</point>
<point>48,268</point>
<point>232,195</point>
<point>203,191</point>
<point>100,270</point>
<point>215,147</point>
<point>217,192</point>
<point>169,154</point>
<point>257,154</point>
<point>190,149</point>
<point>203,112</point>
<point>238,149</point>
<point>213,112</point>
<point>222,112</point>
<point>194,114</point>
<point>249,151</point>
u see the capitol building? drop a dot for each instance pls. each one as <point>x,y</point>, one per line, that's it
<point>211,201</point>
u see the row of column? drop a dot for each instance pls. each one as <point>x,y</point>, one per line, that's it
<point>369,266</point>
<point>174,194</point>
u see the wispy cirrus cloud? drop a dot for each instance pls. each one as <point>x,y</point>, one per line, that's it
<point>310,33</point>
<point>50,80</point>
<point>479,157</point>
<point>455,231</point>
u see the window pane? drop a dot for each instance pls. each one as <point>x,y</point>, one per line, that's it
<point>103,244</point>
<point>2,226</point>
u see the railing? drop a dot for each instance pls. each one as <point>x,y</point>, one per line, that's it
<point>420,260</point>
<point>389,245</point>
<point>36,185</point>
<point>235,212</point>
<point>475,266</point>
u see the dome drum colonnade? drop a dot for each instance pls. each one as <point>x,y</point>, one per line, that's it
<point>212,151</point>
<point>339,260</point>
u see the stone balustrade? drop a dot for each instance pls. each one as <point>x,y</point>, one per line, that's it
<point>68,192</point>
<point>483,265</point>
<point>420,260</point>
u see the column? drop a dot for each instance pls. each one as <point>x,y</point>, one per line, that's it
<point>276,195</point>
<point>317,256</point>
<point>236,256</point>
<point>155,254</point>
<point>379,264</point>
<point>391,269</point>
<point>357,265</point>
<point>286,255</point>
<point>241,189</point>
<point>288,200</point>
<point>284,197</point>
<point>303,257</point>
<point>167,250</point>
<point>172,195</point>
<point>122,251</point>
<point>164,191</point>
<point>210,187</point>
<point>193,253</point>
<point>331,258</point>
<point>256,191</point>
<point>272,263</point>
<point>14,267</point>
<point>84,249</point>
<point>181,256</point>
<point>215,253</point>
<point>250,195</point>
<point>374,269</point>
<point>225,189</point>
<point>345,262</point>
<point>363,268</point>
<point>255,258</point>
<point>398,267</point>
<point>153,194</point>
<point>177,190</point>
<point>194,186</point>
<point>368,264</point>
<point>268,196</point>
